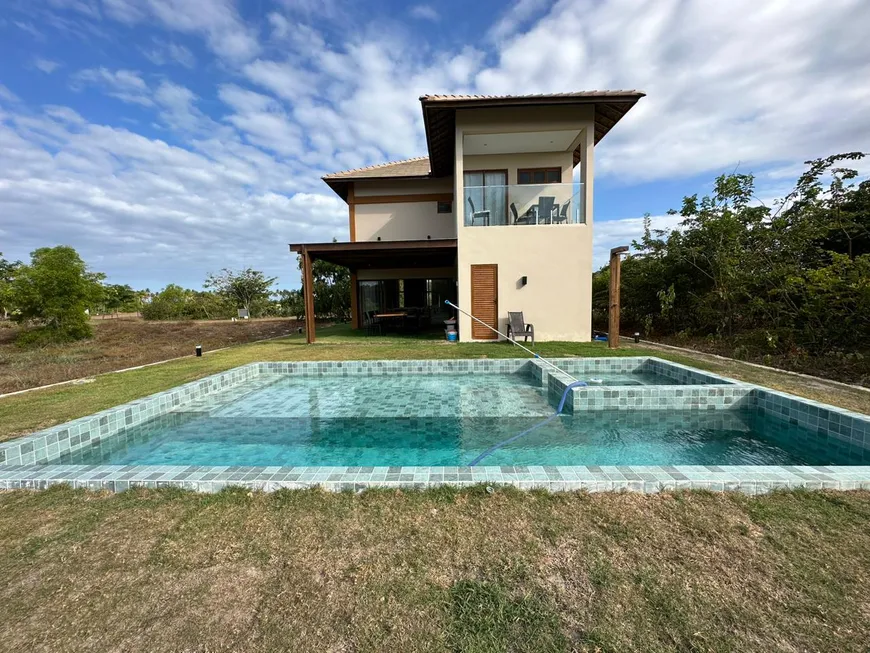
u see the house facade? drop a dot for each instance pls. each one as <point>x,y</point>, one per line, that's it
<point>497,218</point>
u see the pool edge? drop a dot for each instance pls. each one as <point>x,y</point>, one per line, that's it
<point>24,470</point>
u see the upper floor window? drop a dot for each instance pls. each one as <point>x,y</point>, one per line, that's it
<point>539,176</point>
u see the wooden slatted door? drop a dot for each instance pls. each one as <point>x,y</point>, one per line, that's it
<point>484,301</point>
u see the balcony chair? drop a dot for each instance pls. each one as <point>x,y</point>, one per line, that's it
<point>478,217</point>
<point>521,219</point>
<point>517,328</point>
<point>546,205</point>
<point>562,218</point>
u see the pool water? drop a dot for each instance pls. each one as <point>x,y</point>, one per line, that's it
<point>442,420</point>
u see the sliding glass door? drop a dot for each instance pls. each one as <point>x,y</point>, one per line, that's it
<point>485,197</point>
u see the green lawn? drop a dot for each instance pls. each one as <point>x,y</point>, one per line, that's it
<point>443,570</point>
<point>40,409</point>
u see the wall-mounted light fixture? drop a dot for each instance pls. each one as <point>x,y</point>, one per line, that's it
<point>524,280</point>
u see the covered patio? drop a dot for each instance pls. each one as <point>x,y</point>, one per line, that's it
<point>373,261</point>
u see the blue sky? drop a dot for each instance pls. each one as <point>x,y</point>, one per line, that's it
<point>165,139</point>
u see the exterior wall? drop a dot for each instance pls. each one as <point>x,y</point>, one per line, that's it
<point>403,221</point>
<point>396,220</point>
<point>557,259</point>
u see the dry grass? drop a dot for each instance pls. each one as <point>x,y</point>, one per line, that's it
<point>442,570</point>
<point>123,342</point>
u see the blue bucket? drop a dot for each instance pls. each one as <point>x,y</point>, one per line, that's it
<point>451,336</point>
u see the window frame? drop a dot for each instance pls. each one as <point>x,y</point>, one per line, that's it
<point>531,172</point>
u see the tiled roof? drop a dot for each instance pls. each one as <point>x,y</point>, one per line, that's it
<point>416,167</point>
<point>536,96</point>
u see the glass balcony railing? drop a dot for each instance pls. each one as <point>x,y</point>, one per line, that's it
<point>523,204</point>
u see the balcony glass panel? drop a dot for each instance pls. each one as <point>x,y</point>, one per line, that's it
<point>523,204</point>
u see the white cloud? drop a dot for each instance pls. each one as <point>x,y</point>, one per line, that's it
<point>46,65</point>
<point>126,201</point>
<point>615,233</point>
<point>425,12</point>
<point>178,107</point>
<point>781,84</point>
<point>125,85</point>
<point>217,21</point>
<point>162,53</point>
<point>29,29</point>
<point>8,96</point>
<point>519,14</point>
<point>336,91</point>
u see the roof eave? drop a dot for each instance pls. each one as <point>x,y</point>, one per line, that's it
<point>340,184</point>
<point>428,104</point>
<point>458,103</point>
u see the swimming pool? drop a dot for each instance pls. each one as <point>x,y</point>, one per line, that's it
<point>649,425</point>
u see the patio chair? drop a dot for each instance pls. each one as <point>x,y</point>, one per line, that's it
<point>372,325</point>
<point>517,328</point>
<point>563,214</point>
<point>478,217</point>
<point>520,219</point>
<point>545,209</point>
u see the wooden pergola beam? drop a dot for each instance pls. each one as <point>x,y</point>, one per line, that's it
<point>615,274</point>
<point>308,295</point>
<point>354,301</point>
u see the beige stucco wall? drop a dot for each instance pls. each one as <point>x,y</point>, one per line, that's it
<point>557,259</point>
<point>403,220</point>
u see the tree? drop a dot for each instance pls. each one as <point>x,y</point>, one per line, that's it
<point>331,289</point>
<point>177,303</point>
<point>7,276</point>
<point>290,302</point>
<point>53,293</point>
<point>791,279</point>
<point>244,287</point>
<point>117,297</point>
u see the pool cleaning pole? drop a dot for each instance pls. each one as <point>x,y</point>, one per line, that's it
<point>543,360</point>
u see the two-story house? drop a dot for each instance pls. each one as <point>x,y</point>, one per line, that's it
<point>497,218</point>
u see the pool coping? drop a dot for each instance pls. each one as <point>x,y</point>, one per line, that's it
<point>850,428</point>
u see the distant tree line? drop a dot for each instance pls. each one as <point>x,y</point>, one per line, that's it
<point>791,279</point>
<point>55,294</point>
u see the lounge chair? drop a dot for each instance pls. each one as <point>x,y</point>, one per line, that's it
<point>478,217</point>
<point>517,328</point>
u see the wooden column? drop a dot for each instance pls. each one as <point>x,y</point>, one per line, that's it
<point>615,272</point>
<point>351,212</point>
<point>308,295</point>
<point>354,301</point>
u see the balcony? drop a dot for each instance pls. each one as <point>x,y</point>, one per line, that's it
<point>523,204</point>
